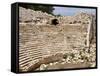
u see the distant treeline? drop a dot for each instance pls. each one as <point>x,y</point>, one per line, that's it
<point>44,8</point>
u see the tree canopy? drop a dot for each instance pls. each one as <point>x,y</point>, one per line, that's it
<point>44,8</point>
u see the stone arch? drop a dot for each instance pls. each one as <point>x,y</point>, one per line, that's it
<point>54,21</point>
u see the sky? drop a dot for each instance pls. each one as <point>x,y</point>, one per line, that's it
<point>70,11</point>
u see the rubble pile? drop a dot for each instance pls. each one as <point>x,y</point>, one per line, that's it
<point>73,59</point>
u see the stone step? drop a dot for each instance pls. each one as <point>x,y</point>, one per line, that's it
<point>25,61</point>
<point>26,47</point>
<point>25,58</point>
<point>36,51</point>
<point>24,55</point>
<point>24,65</point>
<point>36,57</point>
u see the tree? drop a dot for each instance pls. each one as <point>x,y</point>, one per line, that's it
<point>58,15</point>
<point>44,8</point>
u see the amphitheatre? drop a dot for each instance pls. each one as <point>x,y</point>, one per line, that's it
<point>45,46</point>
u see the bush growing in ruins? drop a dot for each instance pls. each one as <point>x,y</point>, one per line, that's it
<point>65,56</point>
